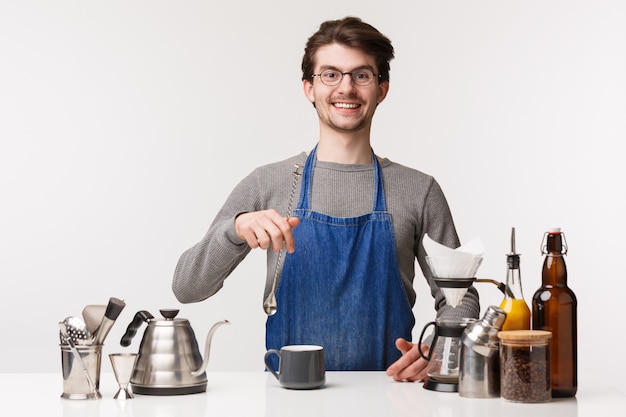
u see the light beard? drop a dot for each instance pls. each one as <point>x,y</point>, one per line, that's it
<point>360,125</point>
<point>354,126</point>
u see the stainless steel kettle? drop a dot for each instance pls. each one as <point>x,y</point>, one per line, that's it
<point>169,361</point>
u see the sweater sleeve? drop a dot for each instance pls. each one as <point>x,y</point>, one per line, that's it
<point>202,269</point>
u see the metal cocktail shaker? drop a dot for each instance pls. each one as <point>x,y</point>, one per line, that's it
<point>479,374</point>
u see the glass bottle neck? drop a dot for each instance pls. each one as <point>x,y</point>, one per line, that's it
<point>554,244</point>
<point>554,269</point>
<point>514,278</point>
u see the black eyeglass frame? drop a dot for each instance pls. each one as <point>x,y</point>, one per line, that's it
<point>351,73</point>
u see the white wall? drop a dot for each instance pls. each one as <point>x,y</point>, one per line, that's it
<point>124,126</point>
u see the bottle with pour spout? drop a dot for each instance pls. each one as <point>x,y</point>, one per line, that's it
<point>513,304</point>
<point>554,309</point>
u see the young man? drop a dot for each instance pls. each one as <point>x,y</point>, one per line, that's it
<point>354,230</point>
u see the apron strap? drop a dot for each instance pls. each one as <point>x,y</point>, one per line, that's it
<point>304,202</point>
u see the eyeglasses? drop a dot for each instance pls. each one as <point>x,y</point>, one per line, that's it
<point>360,76</point>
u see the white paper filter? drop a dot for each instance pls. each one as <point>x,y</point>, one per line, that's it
<point>445,262</point>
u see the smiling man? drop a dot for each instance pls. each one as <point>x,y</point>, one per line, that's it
<point>345,92</point>
<point>349,223</point>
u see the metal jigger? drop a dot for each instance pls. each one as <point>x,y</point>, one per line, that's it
<point>123,365</point>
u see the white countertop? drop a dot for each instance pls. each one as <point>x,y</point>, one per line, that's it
<point>251,394</point>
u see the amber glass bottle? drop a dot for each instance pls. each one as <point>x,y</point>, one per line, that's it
<point>513,304</point>
<point>554,309</point>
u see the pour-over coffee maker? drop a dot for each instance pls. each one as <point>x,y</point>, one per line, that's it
<point>454,272</point>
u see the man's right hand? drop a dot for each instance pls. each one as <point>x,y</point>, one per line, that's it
<point>262,229</point>
<point>411,366</point>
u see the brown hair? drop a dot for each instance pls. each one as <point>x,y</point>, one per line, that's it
<point>354,33</point>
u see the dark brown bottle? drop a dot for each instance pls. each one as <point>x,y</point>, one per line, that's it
<point>554,309</point>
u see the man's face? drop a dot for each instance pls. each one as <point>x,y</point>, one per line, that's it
<point>346,107</point>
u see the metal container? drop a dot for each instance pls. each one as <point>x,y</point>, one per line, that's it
<point>479,375</point>
<point>76,385</point>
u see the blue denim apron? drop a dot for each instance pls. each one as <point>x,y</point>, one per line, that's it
<point>341,288</point>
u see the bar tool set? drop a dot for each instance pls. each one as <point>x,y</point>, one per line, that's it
<point>81,340</point>
<point>498,355</point>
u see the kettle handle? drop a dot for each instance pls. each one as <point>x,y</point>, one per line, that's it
<point>207,348</point>
<point>419,343</point>
<point>131,330</point>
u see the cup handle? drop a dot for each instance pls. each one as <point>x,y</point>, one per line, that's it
<point>267,364</point>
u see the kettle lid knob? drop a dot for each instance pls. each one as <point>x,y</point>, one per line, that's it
<point>169,314</point>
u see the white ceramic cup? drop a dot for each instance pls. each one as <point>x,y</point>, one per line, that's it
<point>300,366</point>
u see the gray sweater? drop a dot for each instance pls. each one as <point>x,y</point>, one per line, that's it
<point>414,199</point>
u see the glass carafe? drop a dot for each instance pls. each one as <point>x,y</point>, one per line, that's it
<point>444,353</point>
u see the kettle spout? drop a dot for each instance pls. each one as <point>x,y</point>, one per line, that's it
<point>207,348</point>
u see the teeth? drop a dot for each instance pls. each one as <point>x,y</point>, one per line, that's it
<point>346,105</point>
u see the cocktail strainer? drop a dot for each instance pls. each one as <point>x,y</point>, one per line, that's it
<point>77,331</point>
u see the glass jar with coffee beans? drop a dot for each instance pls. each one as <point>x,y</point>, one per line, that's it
<point>525,366</point>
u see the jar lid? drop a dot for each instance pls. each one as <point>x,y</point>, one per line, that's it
<point>529,335</point>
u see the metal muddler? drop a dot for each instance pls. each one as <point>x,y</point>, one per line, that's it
<point>113,310</point>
